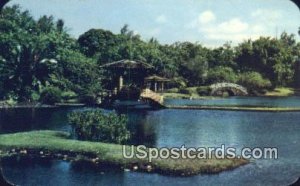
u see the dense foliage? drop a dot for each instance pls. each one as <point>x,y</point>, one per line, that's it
<point>94,125</point>
<point>51,95</point>
<point>40,53</point>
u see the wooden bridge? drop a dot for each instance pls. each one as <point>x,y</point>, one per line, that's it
<point>232,89</point>
<point>152,98</point>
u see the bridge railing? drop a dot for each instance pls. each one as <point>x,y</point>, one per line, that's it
<point>228,85</point>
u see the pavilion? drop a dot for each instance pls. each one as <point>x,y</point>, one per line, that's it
<point>156,83</point>
<point>127,72</point>
<point>127,79</point>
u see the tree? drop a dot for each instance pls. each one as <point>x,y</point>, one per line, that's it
<point>29,52</point>
<point>96,42</point>
<point>195,70</point>
<point>273,58</point>
<point>77,73</point>
<point>221,74</point>
<point>2,179</point>
<point>254,81</point>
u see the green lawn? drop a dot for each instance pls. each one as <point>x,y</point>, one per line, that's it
<point>281,91</point>
<point>53,142</point>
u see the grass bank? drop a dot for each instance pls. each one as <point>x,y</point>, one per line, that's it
<point>53,144</point>
<point>281,92</point>
<point>188,93</point>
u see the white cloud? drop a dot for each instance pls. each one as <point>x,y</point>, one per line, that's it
<point>234,30</point>
<point>261,22</point>
<point>203,18</point>
<point>234,25</point>
<point>161,19</point>
<point>206,17</point>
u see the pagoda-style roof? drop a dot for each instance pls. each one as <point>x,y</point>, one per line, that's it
<point>128,64</point>
<point>156,78</point>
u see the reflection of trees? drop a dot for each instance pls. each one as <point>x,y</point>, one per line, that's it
<point>143,132</point>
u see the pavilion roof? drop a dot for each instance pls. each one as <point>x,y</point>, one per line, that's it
<point>128,64</point>
<point>156,78</point>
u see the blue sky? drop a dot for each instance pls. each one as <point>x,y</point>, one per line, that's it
<point>209,22</point>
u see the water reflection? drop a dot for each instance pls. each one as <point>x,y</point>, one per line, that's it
<point>171,128</point>
<point>293,101</point>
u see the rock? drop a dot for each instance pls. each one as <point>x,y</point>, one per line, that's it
<point>149,168</point>
<point>126,170</point>
<point>23,151</point>
<point>135,168</point>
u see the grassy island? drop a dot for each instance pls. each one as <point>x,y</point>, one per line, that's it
<point>58,145</point>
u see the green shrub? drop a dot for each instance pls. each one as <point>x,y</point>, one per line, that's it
<point>67,95</point>
<point>35,96</point>
<point>50,95</point>
<point>94,125</point>
<point>221,74</point>
<point>254,81</point>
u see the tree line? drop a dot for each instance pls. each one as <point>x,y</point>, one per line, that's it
<point>40,59</point>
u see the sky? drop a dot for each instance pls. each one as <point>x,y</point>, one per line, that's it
<point>208,22</point>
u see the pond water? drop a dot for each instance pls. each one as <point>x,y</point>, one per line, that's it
<point>172,128</point>
<point>292,101</point>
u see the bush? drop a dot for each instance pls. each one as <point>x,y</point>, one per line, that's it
<point>67,95</point>
<point>94,125</point>
<point>50,95</point>
<point>221,74</point>
<point>254,81</point>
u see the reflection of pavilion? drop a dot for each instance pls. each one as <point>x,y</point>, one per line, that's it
<point>128,79</point>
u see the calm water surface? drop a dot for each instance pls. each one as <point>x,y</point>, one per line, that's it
<point>173,128</point>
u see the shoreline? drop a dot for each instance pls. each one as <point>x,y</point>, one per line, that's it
<point>39,105</point>
<point>234,108</point>
<point>57,145</point>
